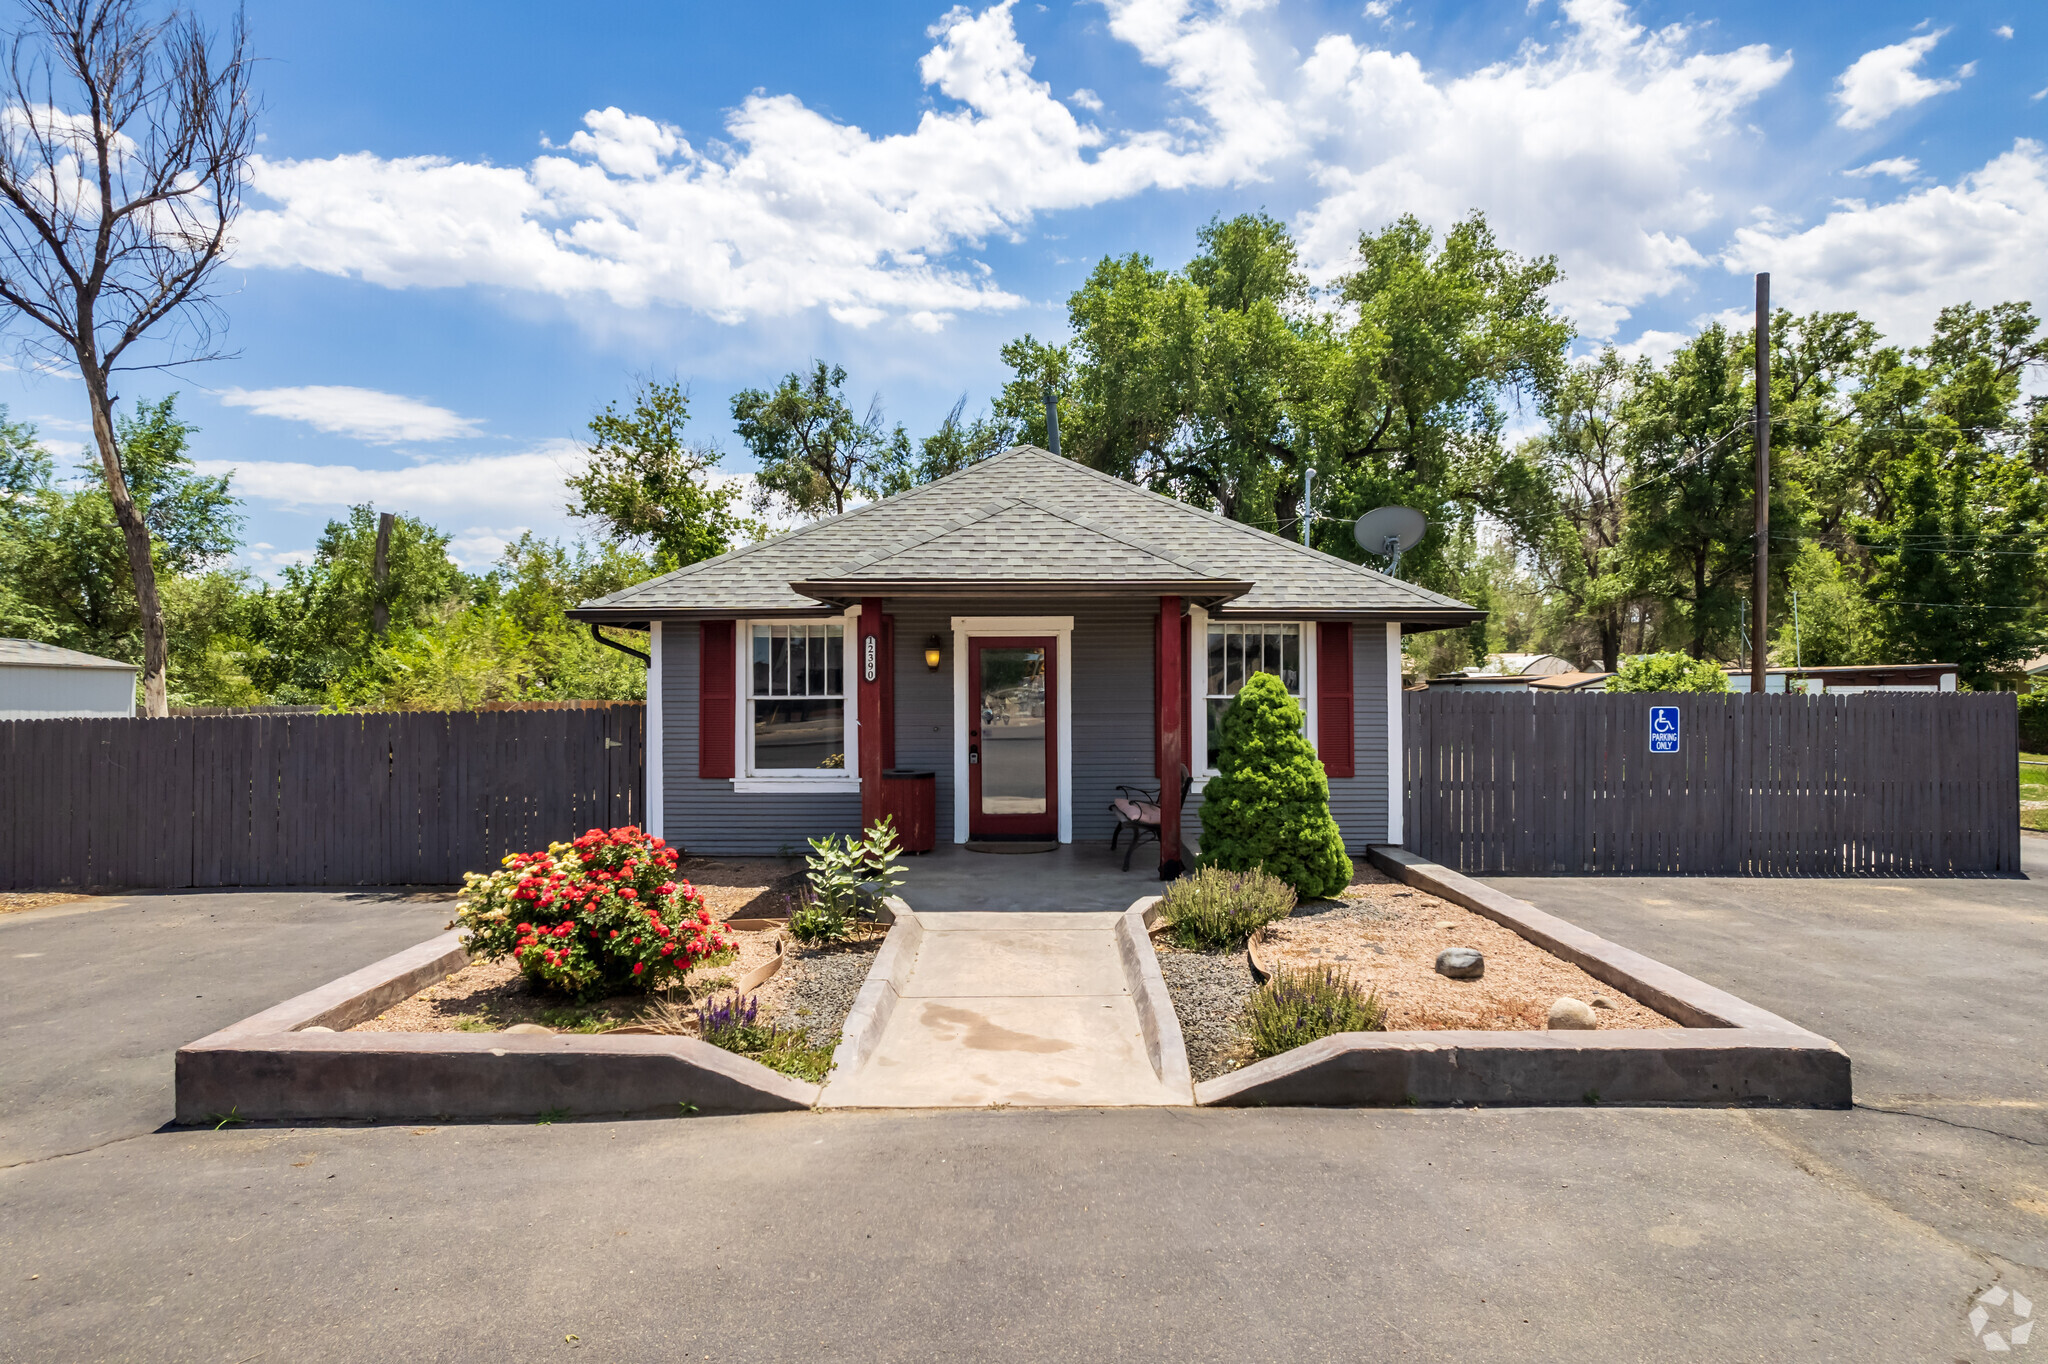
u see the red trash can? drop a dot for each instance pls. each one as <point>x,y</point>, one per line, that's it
<point>911,799</point>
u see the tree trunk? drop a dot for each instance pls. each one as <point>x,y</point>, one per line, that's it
<point>1287,508</point>
<point>1610,641</point>
<point>156,655</point>
<point>1699,606</point>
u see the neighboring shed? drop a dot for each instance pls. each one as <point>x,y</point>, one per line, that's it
<point>44,682</point>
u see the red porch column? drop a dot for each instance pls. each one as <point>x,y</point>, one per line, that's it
<point>870,664</point>
<point>1170,717</point>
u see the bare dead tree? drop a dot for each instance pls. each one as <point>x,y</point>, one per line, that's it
<point>124,142</point>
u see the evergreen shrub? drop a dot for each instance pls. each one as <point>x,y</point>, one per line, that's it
<point>1269,806</point>
<point>1668,672</point>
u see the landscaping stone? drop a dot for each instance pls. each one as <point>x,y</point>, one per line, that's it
<point>1602,1002</point>
<point>1460,963</point>
<point>1209,991</point>
<point>537,1028</point>
<point>823,983</point>
<point>1572,1013</point>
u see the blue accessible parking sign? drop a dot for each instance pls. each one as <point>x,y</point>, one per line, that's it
<point>1663,729</point>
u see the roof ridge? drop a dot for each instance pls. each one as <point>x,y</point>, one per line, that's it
<point>1089,524</point>
<point>960,520</point>
<point>1317,555</point>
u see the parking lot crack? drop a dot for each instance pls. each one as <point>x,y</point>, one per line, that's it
<point>1950,1122</point>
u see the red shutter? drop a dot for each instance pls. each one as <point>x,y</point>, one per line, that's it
<point>1334,739</point>
<point>716,700</point>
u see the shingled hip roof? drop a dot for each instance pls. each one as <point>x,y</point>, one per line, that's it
<point>1021,521</point>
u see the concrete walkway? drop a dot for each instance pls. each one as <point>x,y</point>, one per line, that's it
<point>1009,1008</point>
<point>1073,876</point>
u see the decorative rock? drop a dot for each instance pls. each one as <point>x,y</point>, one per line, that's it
<point>1572,1013</point>
<point>1445,924</point>
<point>316,1029</point>
<point>550,1032</point>
<point>1603,1002</point>
<point>1460,963</point>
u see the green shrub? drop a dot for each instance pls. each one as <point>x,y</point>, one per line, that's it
<point>2034,721</point>
<point>1668,672</point>
<point>1269,807</point>
<point>1295,1008</point>
<point>840,865</point>
<point>1216,910</point>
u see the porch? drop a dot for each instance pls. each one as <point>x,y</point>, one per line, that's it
<point>1080,876</point>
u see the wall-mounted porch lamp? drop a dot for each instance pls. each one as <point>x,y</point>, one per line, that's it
<point>931,654</point>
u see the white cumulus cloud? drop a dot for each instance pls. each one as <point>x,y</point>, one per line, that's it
<point>794,212</point>
<point>364,413</point>
<point>1599,147</point>
<point>1883,81</point>
<point>1982,240</point>
<point>1898,167</point>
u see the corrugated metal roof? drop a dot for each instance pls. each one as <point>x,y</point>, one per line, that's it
<point>1022,517</point>
<point>26,653</point>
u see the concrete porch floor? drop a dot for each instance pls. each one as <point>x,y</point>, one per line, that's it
<point>1074,876</point>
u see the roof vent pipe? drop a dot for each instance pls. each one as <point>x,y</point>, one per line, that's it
<point>1052,420</point>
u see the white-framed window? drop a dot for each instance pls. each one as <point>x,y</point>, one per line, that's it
<point>795,715</point>
<point>1238,650</point>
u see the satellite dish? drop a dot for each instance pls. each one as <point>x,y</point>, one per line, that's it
<point>1390,531</point>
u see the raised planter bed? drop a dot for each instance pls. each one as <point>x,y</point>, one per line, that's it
<point>1725,1051</point>
<point>269,1067</point>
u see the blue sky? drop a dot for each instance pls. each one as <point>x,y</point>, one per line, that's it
<point>471,225</point>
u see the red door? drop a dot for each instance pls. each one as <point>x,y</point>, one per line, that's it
<point>1012,756</point>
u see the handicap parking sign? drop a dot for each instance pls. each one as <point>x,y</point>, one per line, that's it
<point>1663,729</point>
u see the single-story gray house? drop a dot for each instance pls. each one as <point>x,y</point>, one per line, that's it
<point>1035,633</point>
<point>44,682</point>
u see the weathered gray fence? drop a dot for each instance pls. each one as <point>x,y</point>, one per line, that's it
<point>401,798</point>
<point>1879,784</point>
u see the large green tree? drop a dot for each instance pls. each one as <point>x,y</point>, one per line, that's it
<point>648,489</point>
<point>814,452</point>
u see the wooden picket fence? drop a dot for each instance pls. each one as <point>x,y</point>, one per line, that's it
<point>398,798</point>
<point>1877,784</point>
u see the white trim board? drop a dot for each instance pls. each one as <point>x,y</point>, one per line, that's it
<point>1062,629</point>
<point>650,753</point>
<point>1396,757</point>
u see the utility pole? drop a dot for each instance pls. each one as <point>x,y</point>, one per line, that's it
<point>1052,420</point>
<point>1308,506</point>
<point>380,569</point>
<point>1760,587</point>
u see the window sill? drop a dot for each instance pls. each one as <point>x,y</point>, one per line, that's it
<point>795,783</point>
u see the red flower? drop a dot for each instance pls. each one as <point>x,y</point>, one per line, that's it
<point>638,967</point>
<point>615,933</point>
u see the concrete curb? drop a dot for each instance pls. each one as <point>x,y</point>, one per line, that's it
<point>267,1067</point>
<point>880,993</point>
<point>1728,1052</point>
<point>1164,1046</point>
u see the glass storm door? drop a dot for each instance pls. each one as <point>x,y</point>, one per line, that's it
<point>1012,776</point>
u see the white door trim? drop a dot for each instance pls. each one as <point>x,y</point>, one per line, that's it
<point>1062,629</point>
<point>650,751</point>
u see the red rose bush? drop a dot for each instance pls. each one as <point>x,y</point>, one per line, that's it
<point>602,915</point>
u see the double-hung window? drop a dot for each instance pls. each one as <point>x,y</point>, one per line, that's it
<point>796,697</point>
<point>1237,651</point>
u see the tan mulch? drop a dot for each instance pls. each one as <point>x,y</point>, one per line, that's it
<point>745,887</point>
<point>1387,935</point>
<point>14,901</point>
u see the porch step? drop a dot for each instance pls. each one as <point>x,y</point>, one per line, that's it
<point>1023,1009</point>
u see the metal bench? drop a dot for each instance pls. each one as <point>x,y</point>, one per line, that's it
<point>1137,809</point>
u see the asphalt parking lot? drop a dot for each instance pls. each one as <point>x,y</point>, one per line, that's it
<point>1607,1234</point>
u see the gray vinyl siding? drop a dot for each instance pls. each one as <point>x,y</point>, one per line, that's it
<point>1358,803</point>
<point>1112,732</point>
<point>709,816</point>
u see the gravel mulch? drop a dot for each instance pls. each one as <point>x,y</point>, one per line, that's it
<point>1209,990</point>
<point>815,988</point>
<point>1387,936</point>
<point>745,887</point>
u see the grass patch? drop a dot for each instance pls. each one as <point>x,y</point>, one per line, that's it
<point>735,1025</point>
<point>2033,787</point>
<point>1295,1008</point>
<point>1216,910</point>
